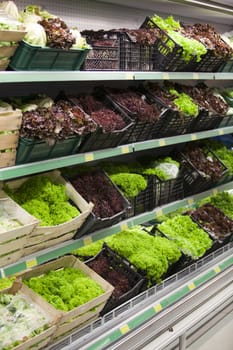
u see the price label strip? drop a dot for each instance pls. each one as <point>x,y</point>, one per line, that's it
<point>124,149</point>
<point>31,263</point>
<point>87,240</point>
<point>89,157</point>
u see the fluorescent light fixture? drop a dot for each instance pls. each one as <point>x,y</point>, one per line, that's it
<point>209,5</point>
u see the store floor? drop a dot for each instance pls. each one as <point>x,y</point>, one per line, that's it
<point>220,337</point>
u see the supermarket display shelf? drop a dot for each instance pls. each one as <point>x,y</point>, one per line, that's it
<point>68,246</point>
<point>143,318</point>
<point>50,164</point>
<point>44,76</point>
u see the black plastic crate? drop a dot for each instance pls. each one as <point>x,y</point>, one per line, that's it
<point>105,53</point>
<point>140,130</point>
<point>209,63</point>
<point>136,281</point>
<point>166,191</point>
<point>212,220</point>
<point>194,181</point>
<point>227,67</point>
<point>164,58</point>
<point>144,201</point>
<point>205,121</point>
<point>172,123</point>
<point>101,139</point>
<point>175,124</point>
<point>134,56</point>
<point>227,120</point>
<point>116,50</point>
<point>93,222</point>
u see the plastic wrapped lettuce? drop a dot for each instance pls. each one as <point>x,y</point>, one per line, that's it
<point>165,168</point>
<point>35,34</point>
<point>9,21</point>
<point>10,8</point>
<point>31,16</point>
<point>184,103</point>
<point>80,41</point>
<point>19,320</point>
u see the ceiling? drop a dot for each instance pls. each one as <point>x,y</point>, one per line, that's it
<point>186,8</point>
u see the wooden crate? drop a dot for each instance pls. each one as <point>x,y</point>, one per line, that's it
<point>75,318</point>
<point>47,236</point>
<point>4,64</point>
<point>9,122</point>
<point>44,338</point>
<point>7,51</point>
<point>12,242</point>
<point>12,35</point>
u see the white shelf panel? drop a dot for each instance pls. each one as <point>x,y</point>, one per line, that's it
<point>53,76</point>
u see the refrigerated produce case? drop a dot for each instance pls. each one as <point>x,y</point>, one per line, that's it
<point>170,310</point>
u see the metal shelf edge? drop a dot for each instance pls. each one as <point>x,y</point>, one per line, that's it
<point>53,76</point>
<point>55,163</point>
<point>140,146</point>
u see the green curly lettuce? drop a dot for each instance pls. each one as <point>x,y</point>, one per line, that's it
<point>130,184</point>
<point>45,200</point>
<point>40,210</point>
<point>66,288</point>
<point>191,47</point>
<point>185,103</point>
<point>6,282</point>
<point>150,254</point>
<point>189,237</point>
<point>168,23</point>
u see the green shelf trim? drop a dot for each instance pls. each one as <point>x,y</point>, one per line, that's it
<point>138,320</point>
<point>226,264</point>
<point>175,296</point>
<point>14,269</point>
<point>197,282</point>
<point>102,342</point>
<point>140,146</point>
<point>55,163</point>
<point>145,315</point>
